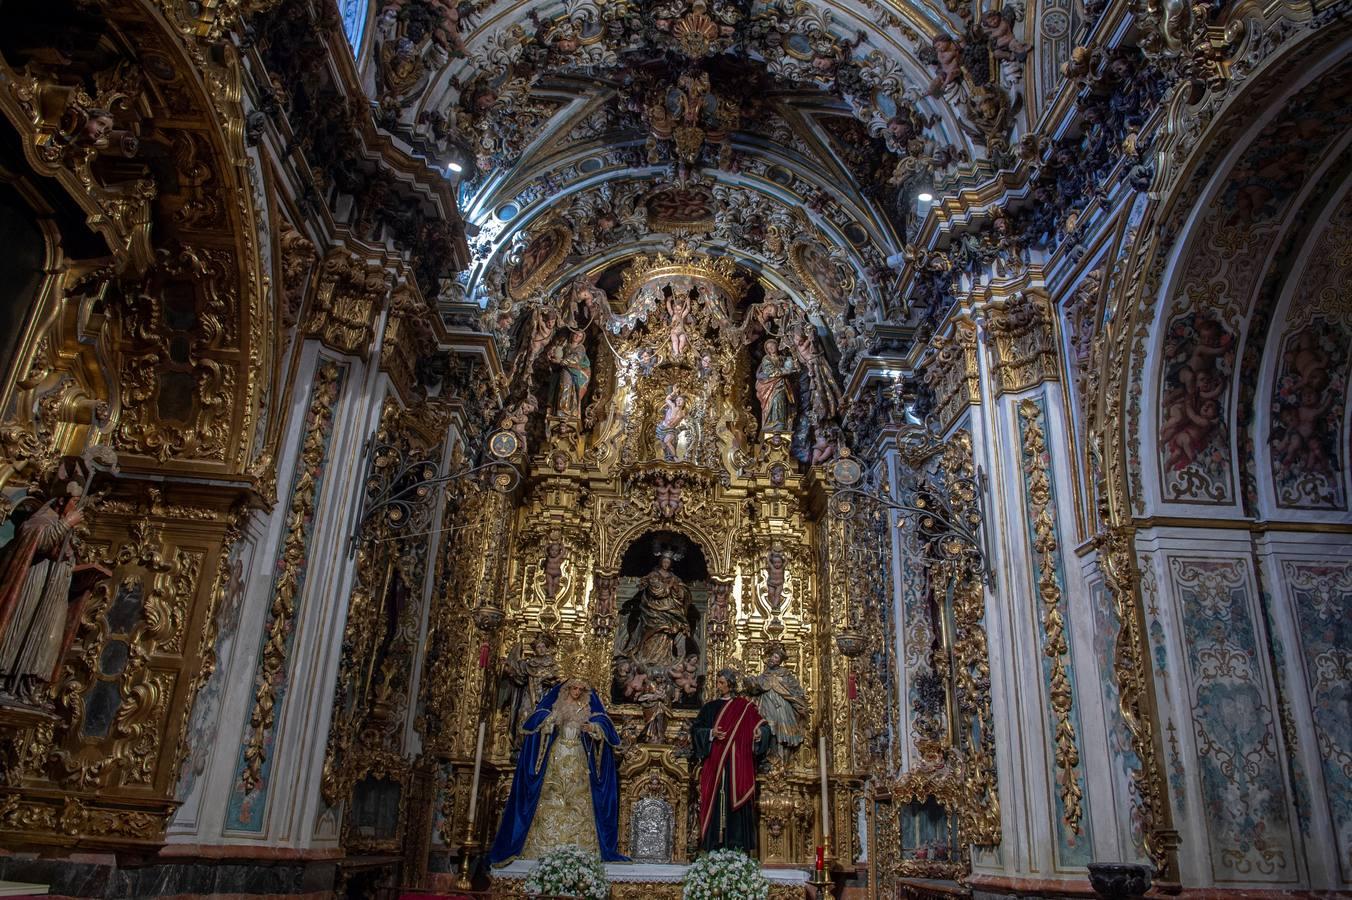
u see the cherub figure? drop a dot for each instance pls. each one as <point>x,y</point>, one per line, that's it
<point>387,23</point>
<point>667,498</point>
<point>544,323</point>
<point>678,310</point>
<point>1187,430</point>
<point>998,24</point>
<point>517,418</point>
<point>631,679</point>
<point>947,62</point>
<point>685,675</point>
<point>646,360</point>
<point>552,563</point>
<point>823,447</point>
<point>97,126</point>
<point>775,564</point>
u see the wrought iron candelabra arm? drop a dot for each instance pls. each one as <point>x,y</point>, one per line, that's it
<point>400,489</point>
<point>974,542</point>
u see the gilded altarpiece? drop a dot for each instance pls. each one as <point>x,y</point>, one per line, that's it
<point>658,480</point>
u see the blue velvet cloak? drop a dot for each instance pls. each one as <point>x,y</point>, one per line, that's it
<point>526,783</point>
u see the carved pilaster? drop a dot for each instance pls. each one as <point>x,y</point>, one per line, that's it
<point>298,260</point>
<point>1055,646</point>
<point>1024,336</point>
<point>348,300</point>
<point>952,373</point>
<point>289,579</point>
<point>408,337</point>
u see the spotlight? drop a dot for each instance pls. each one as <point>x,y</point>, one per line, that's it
<point>925,197</point>
<point>454,168</point>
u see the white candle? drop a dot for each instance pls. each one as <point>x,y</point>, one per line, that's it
<point>826,803</point>
<point>474,785</point>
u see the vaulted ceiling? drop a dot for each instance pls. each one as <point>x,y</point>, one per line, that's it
<point>797,138</point>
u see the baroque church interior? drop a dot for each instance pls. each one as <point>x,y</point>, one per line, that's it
<point>905,442</point>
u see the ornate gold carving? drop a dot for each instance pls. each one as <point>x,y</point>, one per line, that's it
<point>1082,314</point>
<point>178,377</point>
<point>1132,671</point>
<point>298,260</point>
<point>71,129</point>
<point>347,301</point>
<point>408,338</point>
<point>1024,334</point>
<point>786,810</point>
<point>979,814</point>
<point>74,816</point>
<point>99,773</point>
<point>290,563</point>
<point>381,765</point>
<point>684,262</point>
<point>656,772</point>
<point>951,370</point>
<point>1056,648</point>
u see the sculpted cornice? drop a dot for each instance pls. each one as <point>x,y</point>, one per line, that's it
<point>341,149</point>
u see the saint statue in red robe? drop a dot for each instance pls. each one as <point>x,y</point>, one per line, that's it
<point>728,738</point>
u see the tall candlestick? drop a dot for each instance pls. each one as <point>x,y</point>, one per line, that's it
<point>474,784</point>
<point>826,803</point>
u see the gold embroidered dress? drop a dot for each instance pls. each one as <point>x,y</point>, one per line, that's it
<point>564,814</point>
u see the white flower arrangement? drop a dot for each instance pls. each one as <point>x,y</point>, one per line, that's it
<point>569,871</point>
<point>725,875</point>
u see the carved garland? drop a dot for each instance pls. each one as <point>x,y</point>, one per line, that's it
<point>207,643</point>
<point>1055,646</point>
<point>1130,668</point>
<point>291,565</point>
<point>979,816</point>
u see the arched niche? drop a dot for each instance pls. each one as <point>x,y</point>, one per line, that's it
<point>660,649</point>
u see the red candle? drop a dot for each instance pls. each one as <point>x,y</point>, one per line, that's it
<point>852,687</point>
<point>821,857</point>
<point>483,655</point>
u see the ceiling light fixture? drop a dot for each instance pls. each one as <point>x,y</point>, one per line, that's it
<point>925,197</point>
<point>454,168</point>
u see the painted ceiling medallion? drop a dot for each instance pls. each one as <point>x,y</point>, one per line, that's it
<point>540,258</point>
<point>829,279</point>
<point>680,208</point>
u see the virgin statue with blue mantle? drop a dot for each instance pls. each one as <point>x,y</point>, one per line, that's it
<point>566,787</point>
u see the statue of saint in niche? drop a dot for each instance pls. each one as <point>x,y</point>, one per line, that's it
<point>780,699</point>
<point>661,617</point>
<point>573,376</point>
<point>772,389</point>
<point>673,430</point>
<point>42,588</point>
<point>525,679</point>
